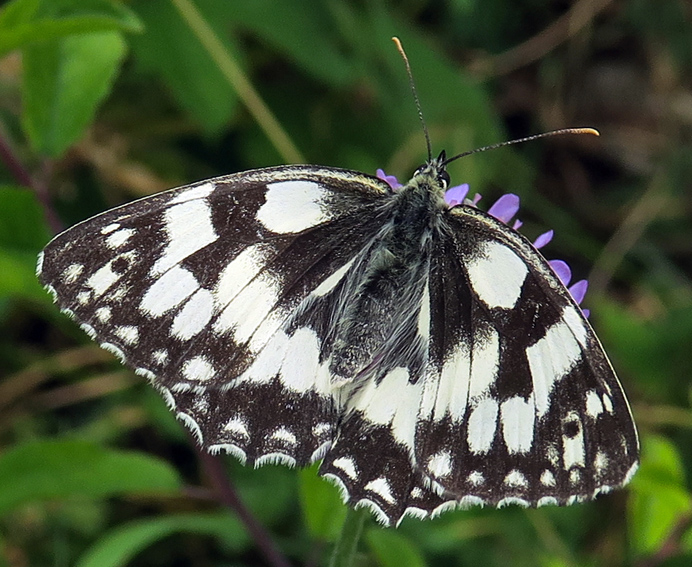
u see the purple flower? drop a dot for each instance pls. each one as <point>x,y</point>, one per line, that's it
<point>543,239</point>
<point>504,210</point>
<point>505,207</point>
<point>578,290</point>
<point>456,195</point>
<point>391,180</point>
<point>561,270</point>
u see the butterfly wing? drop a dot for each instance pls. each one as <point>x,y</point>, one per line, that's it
<point>233,295</point>
<point>517,402</point>
<point>191,288</point>
<point>521,404</point>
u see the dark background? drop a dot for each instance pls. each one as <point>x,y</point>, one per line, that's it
<point>102,102</point>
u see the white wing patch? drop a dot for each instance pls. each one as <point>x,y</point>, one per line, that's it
<point>244,314</point>
<point>394,402</point>
<point>448,393</point>
<point>240,272</point>
<point>497,275</point>
<point>301,363</point>
<point>195,315</point>
<point>198,369</point>
<point>294,206</point>
<point>482,425</point>
<point>103,278</point>
<point>485,363</point>
<point>118,238</point>
<point>188,228</point>
<point>169,291</point>
<point>550,359</point>
<point>518,416</point>
<point>333,280</point>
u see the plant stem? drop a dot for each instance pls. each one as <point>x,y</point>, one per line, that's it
<point>238,81</point>
<point>346,547</point>
<point>227,495</point>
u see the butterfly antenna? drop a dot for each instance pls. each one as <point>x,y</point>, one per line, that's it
<point>415,95</point>
<point>527,139</point>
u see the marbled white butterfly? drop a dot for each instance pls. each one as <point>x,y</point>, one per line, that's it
<point>426,353</point>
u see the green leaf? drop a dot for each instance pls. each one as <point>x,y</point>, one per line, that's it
<point>300,29</point>
<point>122,544</point>
<point>43,31</point>
<point>116,10</point>
<point>659,496</point>
<point>22,23</point>
<point>57,469</point>
<point>170,50</point>
<point>23,233</point>
<point>18,276</point>
<point>322,506</point>
<point>63,83</point>
<point>22,225</point>
<point>391,549</point>
<point>17,12</point>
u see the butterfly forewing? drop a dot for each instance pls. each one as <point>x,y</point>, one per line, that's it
<point>191,288</point>
<point>428,355</point>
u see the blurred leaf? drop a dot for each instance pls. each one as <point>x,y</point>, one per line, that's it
<point>171,50</point>
<point>654,351</point>
<point>120,545</point>
<point>64,81</point>
<point>392,549</point>
<point>57,469</point>
<point>17,12</point>
<point>269,491</point>
<point>22,225</point>
<point>659,497</point>
<point>20,28</point>
<point>18,275</point>
<point>23,233</point>
<point>322,506</point>
<point>299,29</point>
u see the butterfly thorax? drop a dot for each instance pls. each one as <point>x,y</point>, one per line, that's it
<point>384,293</point>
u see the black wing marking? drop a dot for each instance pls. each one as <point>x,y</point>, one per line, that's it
<point>191,288</point>
<point>517,402</point>
<point>547,420</point>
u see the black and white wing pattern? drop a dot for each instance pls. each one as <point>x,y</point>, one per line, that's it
<point>428,355</point>
<point>192,288</point>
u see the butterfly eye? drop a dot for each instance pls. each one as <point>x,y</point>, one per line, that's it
<point>443,178</point>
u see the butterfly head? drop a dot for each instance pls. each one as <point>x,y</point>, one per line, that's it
<point>433,175</point>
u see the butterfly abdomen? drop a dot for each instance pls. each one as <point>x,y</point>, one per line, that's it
<point>384,298</point>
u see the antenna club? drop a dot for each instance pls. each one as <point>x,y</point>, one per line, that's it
<point>592,131</point>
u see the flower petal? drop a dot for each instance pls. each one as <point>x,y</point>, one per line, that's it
<point>561,270</point>
<point>390,179</point>
<point>517,224</point>
<point>578,290</point>
<point>505,207</point>
<point>476,198</point>
<point>456,195</point>
<point>543,239</point>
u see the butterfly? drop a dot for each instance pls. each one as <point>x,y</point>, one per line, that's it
<point>425,352</point>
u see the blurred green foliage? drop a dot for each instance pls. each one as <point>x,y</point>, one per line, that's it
<point>103,101</point>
